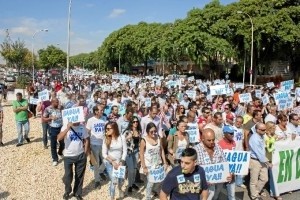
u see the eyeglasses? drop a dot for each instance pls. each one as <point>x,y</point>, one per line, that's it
<point>152,132</point>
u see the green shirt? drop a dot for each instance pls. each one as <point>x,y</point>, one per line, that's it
<point>22,115</point>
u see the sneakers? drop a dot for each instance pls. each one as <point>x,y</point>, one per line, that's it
<point>134,186</point>
<point>1,144</point>
<point>66,196</point>
<point>19,144</point>
<point>97,184</point>
<point>129,190</point>
<point>54,163</point>
<point>103,177</point>
<point>27,140</point>
<point>242,186</point>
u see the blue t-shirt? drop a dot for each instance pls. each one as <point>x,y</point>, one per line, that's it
<point>185,186</point>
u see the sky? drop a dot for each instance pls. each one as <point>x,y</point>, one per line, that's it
<point>91,20</point>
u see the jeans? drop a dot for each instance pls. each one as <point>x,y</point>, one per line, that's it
<point>80,164</point>
<point>113,181</point>
<point>230,190</point>
<point>20,126</point>
<point>151,186</point>
<point>239,180</point>
<point>131,162</point>
<point>45,127</point>
<point>53,138</point>
<point>99,167</point>
<point>218,187</point>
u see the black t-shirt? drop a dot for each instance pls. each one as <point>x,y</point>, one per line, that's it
<point>185,186</point>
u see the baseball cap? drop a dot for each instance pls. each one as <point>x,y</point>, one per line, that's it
<point>228,129</point>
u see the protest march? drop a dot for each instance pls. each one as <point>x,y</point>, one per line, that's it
<point>176,137</point>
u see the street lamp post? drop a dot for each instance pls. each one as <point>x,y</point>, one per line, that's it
<point>68,45</point>
<point>32,53</point>
<point>252,40</point>
<point>119,63</point>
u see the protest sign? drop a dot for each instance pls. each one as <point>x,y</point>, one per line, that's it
<point>191,78</point>
<point>265,100</point>
<point>193,132</point>
<point>286,165</point>
<point>33,101</point>
<point>73,115</point>
<point>281,95</point>
<point>219,89</point>
<point>245,98</point>
<point>120,172</point>
<point>191,94</point>
<point>239,85</point>
<point>287,85</point>
<point>173,84</point>
<point>290,103</point>
<point>203,87</point>
<point>238,161</point>
<point>43,95</point>
<point>270,85</point>
<point>258,93</point>
<point>297,91</point>
<point>156,175</point>
<point>115,76</point>
<point>216,173</point>
<point>148,102</point>
<point>282,103</point>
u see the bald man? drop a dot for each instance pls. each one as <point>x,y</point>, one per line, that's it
<point>209,152</point>
<point>52,115</point>
<point>259,163</point>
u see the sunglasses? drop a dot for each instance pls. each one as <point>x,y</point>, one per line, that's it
<point>181,108</point>
<point>152,132</point>
<point>135,121</point>
<point>263,130</point>
<point>108,129</point>
<point>226,108</point>
<point>207,112</point>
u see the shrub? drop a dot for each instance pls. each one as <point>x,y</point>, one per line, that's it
<point>22,82</point>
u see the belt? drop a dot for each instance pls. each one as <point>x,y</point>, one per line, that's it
<point>254,159</point>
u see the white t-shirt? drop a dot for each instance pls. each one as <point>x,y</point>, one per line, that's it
<point>117,150</point>
<point>180,148</point>
<point>96,126</point>
<point>294,129</point>
<point>270,118</point>
<point>238,138</point>
<point>74,145</point>
<point>283,134</point>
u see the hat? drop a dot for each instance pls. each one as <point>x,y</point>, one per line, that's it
<point>228,129</point>
<point>230,116</point>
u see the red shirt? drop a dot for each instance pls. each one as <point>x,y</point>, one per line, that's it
<point>202,120</point>
<point>227,145</point>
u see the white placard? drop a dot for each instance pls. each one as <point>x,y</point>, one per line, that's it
<point>191,94</point>
<point>147,102</point>
<point>216,173</point>
<point>287,85</point>
<point>245,98</point>
<point>270,85</point>
<point>265,100</point>
<point>297,91</point>
<point>33,101</point>
<point>281,95</point>
<point>238,161</point>
<point>120,172</point>
<point>219,89</point>
<point>203,87</point>
<point>44,95</point>
<point>258,93</point>
<point>239,85</point>
<point>156,175</point>
<point>73,115</point>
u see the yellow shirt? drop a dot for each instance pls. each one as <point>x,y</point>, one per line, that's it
<point>247,118</point>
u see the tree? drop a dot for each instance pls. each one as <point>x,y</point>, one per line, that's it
<point>14,53</point>
<point>51,57</point>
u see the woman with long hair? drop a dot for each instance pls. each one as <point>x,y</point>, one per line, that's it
<point>177,143</point>
<point>282,130</point>
<point>270,139</point>
<point>114,151</point>
<point>152,155</point>
<point>180,111</point>
<point>133,137</point>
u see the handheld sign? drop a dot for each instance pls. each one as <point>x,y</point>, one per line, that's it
<point>191,94</point>
<point>239,85</point>
<point>73,115</point>
<point>238,161</point>
<point>281,95</point>
<point>33,101</point>
<point>265,100</point>
<point>120,172</point>
<point>191,78</point>
<point>44,95</point>
<point>289,103</point>
<point>282,104</point>
<point>216,173</point>
<point>258,93</point>
<point>148,102</point>
<point>156,175</point>
<point>203,87</point>
<point>287,85</point>
<point>270,85</point>
<point>245,98</point>
<point>218,89</point>
<point>297,91</point>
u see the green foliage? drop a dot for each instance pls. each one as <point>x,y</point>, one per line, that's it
<point>52,57</point>
<point>22,82</point>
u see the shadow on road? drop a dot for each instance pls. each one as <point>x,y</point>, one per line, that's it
<point>4,195</point>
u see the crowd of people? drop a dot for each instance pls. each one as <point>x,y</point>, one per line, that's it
<point>145,124</point>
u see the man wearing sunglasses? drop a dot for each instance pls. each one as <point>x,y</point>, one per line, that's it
<point>259,163</point>
<point>294,124</point>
